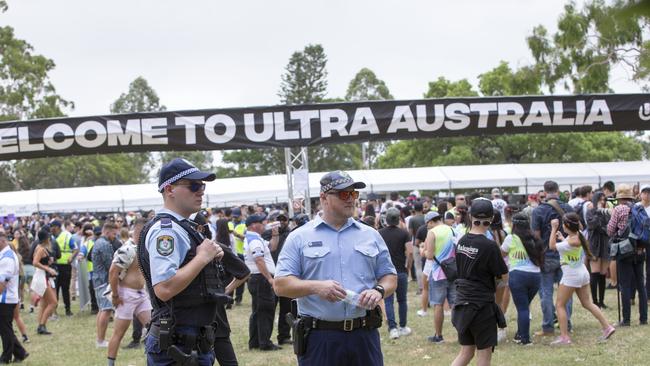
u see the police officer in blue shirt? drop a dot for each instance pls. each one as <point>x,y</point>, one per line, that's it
<point>323,261</point>
<point>180,272</point>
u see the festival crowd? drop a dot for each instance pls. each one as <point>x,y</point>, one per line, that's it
<point>551,241</point>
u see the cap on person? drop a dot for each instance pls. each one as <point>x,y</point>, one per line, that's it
<point>56,223</point>
<point>255,218</point>
<point>645,187</point>
<point>236,212</point>
<point>481,208</point>
<point>282,216</point>
<point>338,180</point>
<point>431,215</point>
<point>449,215</point>
<point>300,219</point>
<point>496,192</point>
<point>392,216</point>
<point>178,169</point>
<point>624,191</point>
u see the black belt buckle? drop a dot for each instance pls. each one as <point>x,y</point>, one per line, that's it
<point>348,325</point>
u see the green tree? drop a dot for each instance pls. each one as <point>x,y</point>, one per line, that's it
<point>367,86</point>
<point>304,82</point>
<point>589,42</point>
<point>26,92</point>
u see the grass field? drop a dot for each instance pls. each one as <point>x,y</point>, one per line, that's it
<point>73,342</point>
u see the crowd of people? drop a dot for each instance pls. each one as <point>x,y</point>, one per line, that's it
<point>572,239</point>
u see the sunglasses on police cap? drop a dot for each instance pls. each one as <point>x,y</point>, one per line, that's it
<point>345,195</point>
<point>194,186</point>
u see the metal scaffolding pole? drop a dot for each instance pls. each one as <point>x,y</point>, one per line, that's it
<point>297,162</point>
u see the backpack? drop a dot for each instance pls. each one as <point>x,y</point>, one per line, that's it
<point>623,244</point>
<point>640,223</point>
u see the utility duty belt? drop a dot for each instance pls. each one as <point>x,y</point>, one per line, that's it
<point>301,326</point>
<point>173,343</point>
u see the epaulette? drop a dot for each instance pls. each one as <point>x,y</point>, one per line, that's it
<point>165,223</point>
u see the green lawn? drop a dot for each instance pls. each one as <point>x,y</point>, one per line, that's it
<point>73,342</point>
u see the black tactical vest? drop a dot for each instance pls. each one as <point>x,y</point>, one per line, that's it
<point>196,304</point>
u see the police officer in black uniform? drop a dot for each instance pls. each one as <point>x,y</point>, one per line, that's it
<point>181,272</point>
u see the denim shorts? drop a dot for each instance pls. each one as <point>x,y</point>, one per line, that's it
<point>441,290</point>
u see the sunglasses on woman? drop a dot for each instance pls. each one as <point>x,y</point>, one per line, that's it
<point>481,222</point>
<point>345,195</point>
<point>194,186</point>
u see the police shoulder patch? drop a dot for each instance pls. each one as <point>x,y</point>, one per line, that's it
<point>165,245</point>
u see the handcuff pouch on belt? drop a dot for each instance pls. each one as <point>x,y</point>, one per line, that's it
<point>173,343</point>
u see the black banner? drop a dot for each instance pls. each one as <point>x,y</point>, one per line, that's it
<point>304,125</point>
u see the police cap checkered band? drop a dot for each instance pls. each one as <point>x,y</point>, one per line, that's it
<point>181,169</point>
<point>338,180</point>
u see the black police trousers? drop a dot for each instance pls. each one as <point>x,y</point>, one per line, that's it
<point>260,325</point>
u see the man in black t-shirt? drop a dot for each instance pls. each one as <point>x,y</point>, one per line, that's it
<point>476,315</point>
<point>415,222</point>
<point>396,240</point>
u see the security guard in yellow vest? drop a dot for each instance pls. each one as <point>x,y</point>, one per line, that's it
<point>238,229</point>
<point>69,250</point>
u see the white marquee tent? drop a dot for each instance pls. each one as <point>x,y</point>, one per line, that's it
<point>273,188</point>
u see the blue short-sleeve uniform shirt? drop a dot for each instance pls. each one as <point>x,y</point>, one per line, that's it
<point>356,256</point>
<point>167,244</point>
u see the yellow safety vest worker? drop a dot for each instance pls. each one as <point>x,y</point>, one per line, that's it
<point>63,240</point>
<point>89,247</point>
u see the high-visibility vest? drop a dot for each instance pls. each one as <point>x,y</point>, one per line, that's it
<point>63,240</point>
<point>89,247</point>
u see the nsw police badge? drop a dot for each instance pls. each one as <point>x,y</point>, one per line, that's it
<point>165,245</point>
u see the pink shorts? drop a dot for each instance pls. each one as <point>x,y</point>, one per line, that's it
<point>133,302</point>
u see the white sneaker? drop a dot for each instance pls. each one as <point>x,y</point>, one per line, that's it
<point>393,334</point>
<point>447,313</point>
<point>501,335</point>
<point>102,344</point>
<point>422,312</point>
<point>405,331</point>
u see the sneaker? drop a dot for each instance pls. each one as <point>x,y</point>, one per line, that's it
<point>68,313</point>
<point>405,331</point>
<point>422,312</point>
<point>436,339</point>
<point>101,344</point>
<point>501,335</point>
<point>42,330</point>
<point>447,313</point>
<point>271,347</point>
<point>393,333</point>
<point>22,306</point>
<point>517,338</point>
<point>624,323</point>
<point>25,338</point>
<point>132,345</point>
<point>561,341</point>
<point>607,333</point>
<point>542,333</point>
<point>54,317</point>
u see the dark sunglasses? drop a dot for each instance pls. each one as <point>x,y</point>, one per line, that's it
<point>481,222</point>
<point>194,186</point>
<point>345,195</point>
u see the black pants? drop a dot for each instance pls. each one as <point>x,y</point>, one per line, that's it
<point>260,325</point>
<point>63,283</point>
<point>11,347</point>
<point>224,352</point>
<point>630,278</point>
<point>137,330</point>
<point>284,330</point>
<point>93,299</point>
<point>239,292</point>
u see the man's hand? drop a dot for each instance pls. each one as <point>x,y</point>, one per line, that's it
<point>115,299</point>
<point>331,291</point>
<point>369,298</point>
<point>209,250</point>
<point>555,223</point>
